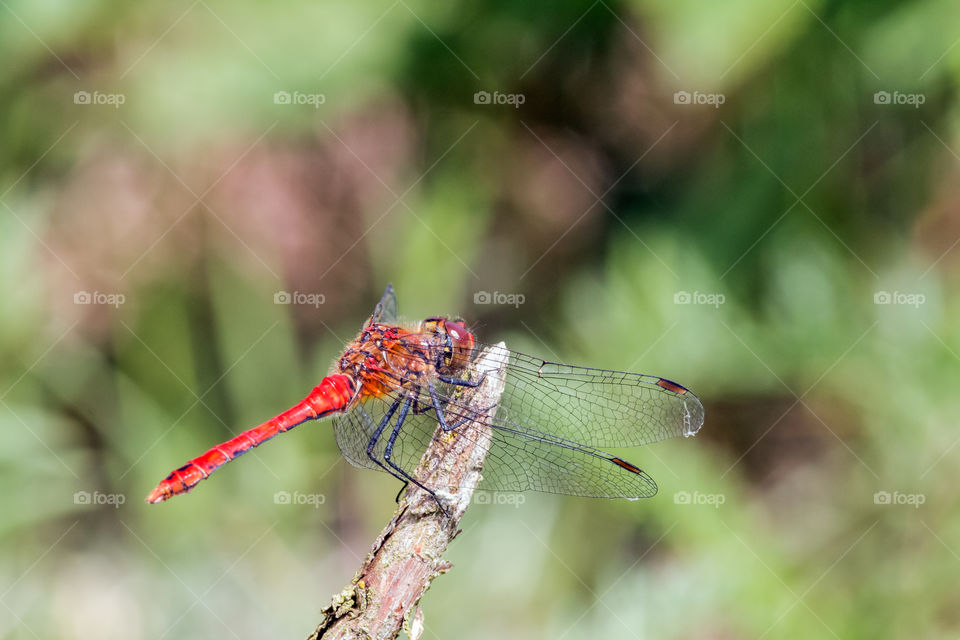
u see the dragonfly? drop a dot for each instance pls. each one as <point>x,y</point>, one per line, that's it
<point>392,387</point>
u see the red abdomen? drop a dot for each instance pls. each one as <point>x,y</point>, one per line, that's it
<point>332,395</point>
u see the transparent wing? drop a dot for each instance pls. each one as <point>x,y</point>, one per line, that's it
<point>354,430</point>
<point>519,458</point>
<point>386,310</point>
<point>550,418</point>
<point>593,407</point>
<point>596,407</point>
<point>523,459</point>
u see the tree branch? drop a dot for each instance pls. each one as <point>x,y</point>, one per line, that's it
<point>407,555</point>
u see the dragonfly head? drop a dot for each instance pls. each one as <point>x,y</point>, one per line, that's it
<point>455,341</point>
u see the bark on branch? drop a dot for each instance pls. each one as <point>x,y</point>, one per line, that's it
<point>386,590</point>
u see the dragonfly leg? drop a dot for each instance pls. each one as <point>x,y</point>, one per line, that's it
<point>376,436</point>
<point>438,408</point>
<point>461,382</point>
<point>388,453</point>
<point>421,407</point>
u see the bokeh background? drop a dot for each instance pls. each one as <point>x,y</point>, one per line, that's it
<point>757,199</point>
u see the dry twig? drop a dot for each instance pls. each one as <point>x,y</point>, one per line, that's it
<point>407,555</point>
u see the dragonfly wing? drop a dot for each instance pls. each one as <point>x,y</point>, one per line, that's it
<point>523,459</point>
<point>354,430</point>
<point>386,310</point>
<point>519,458</point>
<point>596,407</point>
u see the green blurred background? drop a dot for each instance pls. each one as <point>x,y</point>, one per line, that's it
<point>757,199</point>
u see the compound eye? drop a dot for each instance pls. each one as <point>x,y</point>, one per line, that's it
<point>457,332</point>
<point>459,346</point>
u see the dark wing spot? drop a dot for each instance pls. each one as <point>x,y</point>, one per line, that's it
<point>671,386</point>
<point>626,465</point>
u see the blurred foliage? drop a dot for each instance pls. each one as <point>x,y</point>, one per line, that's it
<point>799,199</point>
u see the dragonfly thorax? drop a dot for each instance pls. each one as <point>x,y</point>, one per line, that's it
<point>384,357</point>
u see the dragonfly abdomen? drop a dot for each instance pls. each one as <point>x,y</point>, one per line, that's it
<point>333,395</point>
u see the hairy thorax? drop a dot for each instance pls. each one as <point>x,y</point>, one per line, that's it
<point>384,357</point>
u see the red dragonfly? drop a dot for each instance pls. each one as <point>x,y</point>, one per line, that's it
<point>394,383</point>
